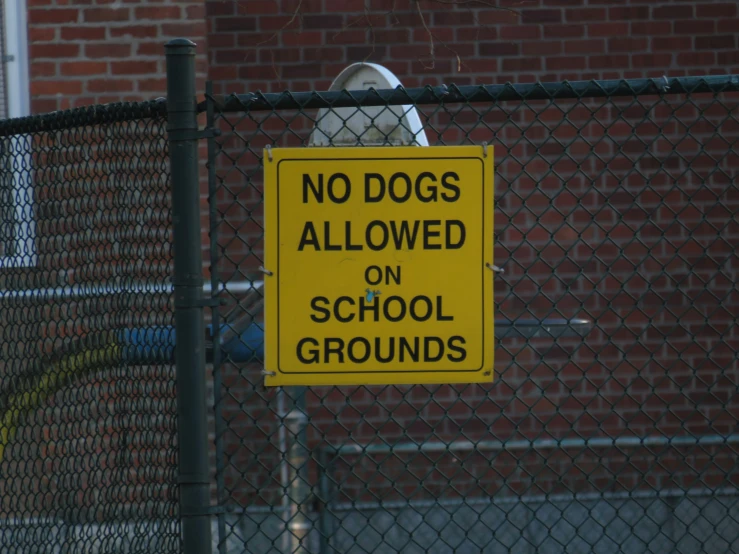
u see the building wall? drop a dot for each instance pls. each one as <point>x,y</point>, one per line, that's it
<point>84,53</point>
<point>269,46</point>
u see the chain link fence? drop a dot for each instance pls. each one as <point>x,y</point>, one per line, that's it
<point>610,425</point>
<point>87,424</point>
<point>616,206</point>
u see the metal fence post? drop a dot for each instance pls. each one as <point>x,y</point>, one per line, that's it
<point>193,474</point>
<point>216,325</point>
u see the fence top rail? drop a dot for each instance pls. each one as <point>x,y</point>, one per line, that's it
<point>470,93</point>
<point>98,114</point>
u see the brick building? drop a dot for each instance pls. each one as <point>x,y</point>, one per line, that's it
<point>81,52</point>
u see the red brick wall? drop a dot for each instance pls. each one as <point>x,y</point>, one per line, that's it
<point>259,45</point>
<point>84,53</point>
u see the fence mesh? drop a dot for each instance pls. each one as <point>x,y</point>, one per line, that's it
<point>616,203</point>
<point>87,423</point>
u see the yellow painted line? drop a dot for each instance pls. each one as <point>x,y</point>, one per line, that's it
<point>51,381</point>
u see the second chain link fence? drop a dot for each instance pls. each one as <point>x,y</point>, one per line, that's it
<point>616,204</point>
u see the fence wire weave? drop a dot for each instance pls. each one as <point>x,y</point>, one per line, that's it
<point>616,203</point>
<point>87,429</point>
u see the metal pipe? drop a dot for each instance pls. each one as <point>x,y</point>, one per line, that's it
<point>83,116</point>
<point>284,477</point>
<point>419,96</point>
<point>457,446</point>
<point>299,525</point>
<point>192,427</point>
<point>526,499</point>
<point>504,328</point>
<point>143,345</point>
<point>324,488</point>
<point>96,291</point>
<point>533,499</point>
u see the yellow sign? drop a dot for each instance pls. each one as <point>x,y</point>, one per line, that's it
<point>379,265</point>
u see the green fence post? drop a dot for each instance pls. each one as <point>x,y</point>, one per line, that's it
<point>182,127</point>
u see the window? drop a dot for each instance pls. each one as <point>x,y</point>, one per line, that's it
<point>17,229</point>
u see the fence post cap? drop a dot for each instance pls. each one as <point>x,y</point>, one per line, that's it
<point>180,43</point>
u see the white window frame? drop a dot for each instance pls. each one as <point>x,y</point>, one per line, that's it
<point>18,100</point>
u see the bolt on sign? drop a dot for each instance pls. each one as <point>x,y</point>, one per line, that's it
<point>377,265</point>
